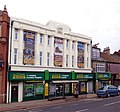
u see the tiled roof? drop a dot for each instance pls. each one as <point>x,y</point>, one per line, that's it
<point>109,58</point>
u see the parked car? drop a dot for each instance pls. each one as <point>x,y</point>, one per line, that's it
<point>107,91</point>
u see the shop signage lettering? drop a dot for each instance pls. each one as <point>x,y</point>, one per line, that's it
<point>25,76</point>
<point>103,76</point>
<point>84,76</point>
<point>60,76</point>
<point>56,76</point>
<point>33,77</point>
<point>18,76</point>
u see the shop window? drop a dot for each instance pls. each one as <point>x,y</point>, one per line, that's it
<point>29,90</point>
<point>67,88</point>
<point>33,89</point>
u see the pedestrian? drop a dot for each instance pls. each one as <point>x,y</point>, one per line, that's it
<point>76,93</point>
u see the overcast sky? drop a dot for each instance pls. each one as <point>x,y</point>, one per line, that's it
<point>99,19</point>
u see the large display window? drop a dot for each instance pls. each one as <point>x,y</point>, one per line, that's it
<point>59,89</point>
<point>33,90</point>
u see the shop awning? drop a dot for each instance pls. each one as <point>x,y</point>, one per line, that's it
<point>65,81</point>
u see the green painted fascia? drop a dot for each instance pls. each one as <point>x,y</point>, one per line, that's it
<point>73,75</point>
<point>46,75</point>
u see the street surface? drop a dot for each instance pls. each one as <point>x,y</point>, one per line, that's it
<point>111,104</point>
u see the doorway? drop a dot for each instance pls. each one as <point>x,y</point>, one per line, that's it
<point>14,93</point>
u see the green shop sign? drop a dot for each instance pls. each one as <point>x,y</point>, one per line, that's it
<point>104,76</point>
<point>59,76</point>
<point>84,76</point>
<point>26,76</point>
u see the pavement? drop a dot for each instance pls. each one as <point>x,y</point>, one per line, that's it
<point>44,102</point>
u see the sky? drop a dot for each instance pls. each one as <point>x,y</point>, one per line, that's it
<point>99,19</point>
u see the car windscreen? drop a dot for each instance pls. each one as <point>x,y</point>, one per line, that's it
<point>102,88</point>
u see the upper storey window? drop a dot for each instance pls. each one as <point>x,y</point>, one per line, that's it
<point>16,34</point>
<point>15,55</point>
<point>73,45</point>
<point>29,48</point>
<point>80,58</point>
<point>67,43</point>
<point>41,38</point>
<point>48,40</point>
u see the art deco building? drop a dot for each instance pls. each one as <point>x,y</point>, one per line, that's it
<point>47,61</point>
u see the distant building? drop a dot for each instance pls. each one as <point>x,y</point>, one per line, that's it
<point>113,66</point>
<point>47,61</point>
<point>4,39</point>
<point>102,75</point>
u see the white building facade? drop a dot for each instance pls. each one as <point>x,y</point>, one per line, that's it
<point>43,57</point>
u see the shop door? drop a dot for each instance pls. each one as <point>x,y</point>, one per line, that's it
<point>14,94</point>
<point>83,87</point>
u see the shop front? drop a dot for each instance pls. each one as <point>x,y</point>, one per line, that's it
<point>25,86</point>
<point>85,84</point>
<point>102,79</point>
<point>60,85</point>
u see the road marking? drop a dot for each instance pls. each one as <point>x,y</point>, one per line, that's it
<point>57,107</point>
<point>82,110</point>
<point>74,104</point>
<point>111,103</point>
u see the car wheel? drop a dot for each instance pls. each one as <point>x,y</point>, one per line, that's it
<point>98,96</point>
<point>108,95</point>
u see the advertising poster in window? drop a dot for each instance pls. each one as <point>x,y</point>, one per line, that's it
<point>58,54</point>
<point>39,88</point>
<point>28,90</point>
<point>80,48</point>
<point>29,45</point>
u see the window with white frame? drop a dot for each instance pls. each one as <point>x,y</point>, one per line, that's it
<point>16,34</point>
<point>72,44</point>
<point>66,60</point>
<point>67,43</point>
<point>15,55</point>
<point>100,67</point>
<point>72,61</point>
<point>48,40</point>
<point>41,38</point>
<point>48,59</point>
<point>40,58</point>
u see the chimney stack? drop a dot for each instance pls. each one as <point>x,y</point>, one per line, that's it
<point>106,50</point>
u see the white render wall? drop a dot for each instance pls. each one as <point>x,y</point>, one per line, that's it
<point>51,28</point>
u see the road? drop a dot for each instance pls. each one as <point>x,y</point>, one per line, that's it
<point>111,104</point>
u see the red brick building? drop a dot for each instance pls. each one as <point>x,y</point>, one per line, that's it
<point>113,65</point>
<point>4,40</point>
